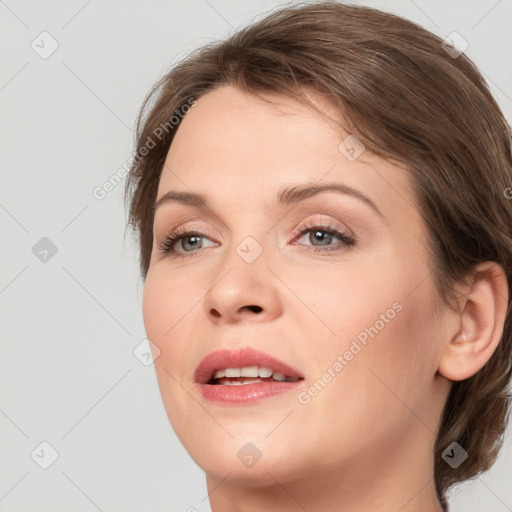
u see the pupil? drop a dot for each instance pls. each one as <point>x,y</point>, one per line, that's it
<point>191,238</point>
<point>322,237</point>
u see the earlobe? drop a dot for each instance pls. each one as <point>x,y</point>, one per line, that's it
<point>481,322</point>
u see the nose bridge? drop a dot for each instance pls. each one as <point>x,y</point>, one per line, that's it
<point>245,259</point>
<point>254,241</point>
<point>248,231</point>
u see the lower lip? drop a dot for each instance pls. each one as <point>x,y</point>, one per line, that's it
<point>246,393</point>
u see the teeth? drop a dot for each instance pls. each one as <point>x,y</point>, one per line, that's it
<point>265,372</point>
<point>251,371</point>
<point>239,382</point>
<point>232,372</point>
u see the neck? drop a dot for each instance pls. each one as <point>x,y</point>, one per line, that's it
<point>321,496</point>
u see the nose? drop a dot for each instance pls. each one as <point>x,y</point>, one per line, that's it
<point>253,308</point>
<point>245,292</point>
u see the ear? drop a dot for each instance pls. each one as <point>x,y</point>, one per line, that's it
<point>479,324</point>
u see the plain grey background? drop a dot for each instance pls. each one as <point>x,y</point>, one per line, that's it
<point>70,295</point>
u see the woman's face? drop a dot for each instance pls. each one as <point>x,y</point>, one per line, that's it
<point>350,314</point>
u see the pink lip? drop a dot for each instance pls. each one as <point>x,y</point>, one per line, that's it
<point>246,393</point>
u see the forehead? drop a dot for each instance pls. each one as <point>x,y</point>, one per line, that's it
<point>235,147</point>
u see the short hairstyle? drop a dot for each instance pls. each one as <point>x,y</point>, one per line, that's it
<point>410,98</point>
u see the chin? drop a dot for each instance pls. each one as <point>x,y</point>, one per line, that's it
<point>250,458</point>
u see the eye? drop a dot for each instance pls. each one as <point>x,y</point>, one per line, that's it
<point>191,240</point>
<point>188,240</point>
<point>323,235</point>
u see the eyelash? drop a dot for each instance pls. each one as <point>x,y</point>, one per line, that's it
<point>347,240</point>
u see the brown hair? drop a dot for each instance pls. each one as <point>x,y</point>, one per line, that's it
<point>407,100</point>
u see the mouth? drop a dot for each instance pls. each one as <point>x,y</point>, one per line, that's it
<point>243,376</point>
<point>248,375</point>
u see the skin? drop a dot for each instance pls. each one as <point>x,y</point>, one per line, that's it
<point>364,442</point>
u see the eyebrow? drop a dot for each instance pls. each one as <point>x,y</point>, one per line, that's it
<point>286,196</point>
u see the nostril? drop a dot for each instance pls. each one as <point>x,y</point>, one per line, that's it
<point>255,309</point>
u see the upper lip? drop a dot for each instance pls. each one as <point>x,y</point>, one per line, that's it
<point>221,359</point>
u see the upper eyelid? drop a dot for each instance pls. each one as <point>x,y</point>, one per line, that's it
<point>298,232</point>
<point>308,206</point>
<point>311,222</point>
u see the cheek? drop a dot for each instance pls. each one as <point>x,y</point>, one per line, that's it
<point>350,298</point>
<point>168,312</point>
<point>395,329</point>
<point>154,303</point>
<point>376,387</point>
<point>168,305</point>
<point>381,323</point>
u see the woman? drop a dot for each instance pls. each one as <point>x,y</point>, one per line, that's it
<point>325,239</point>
